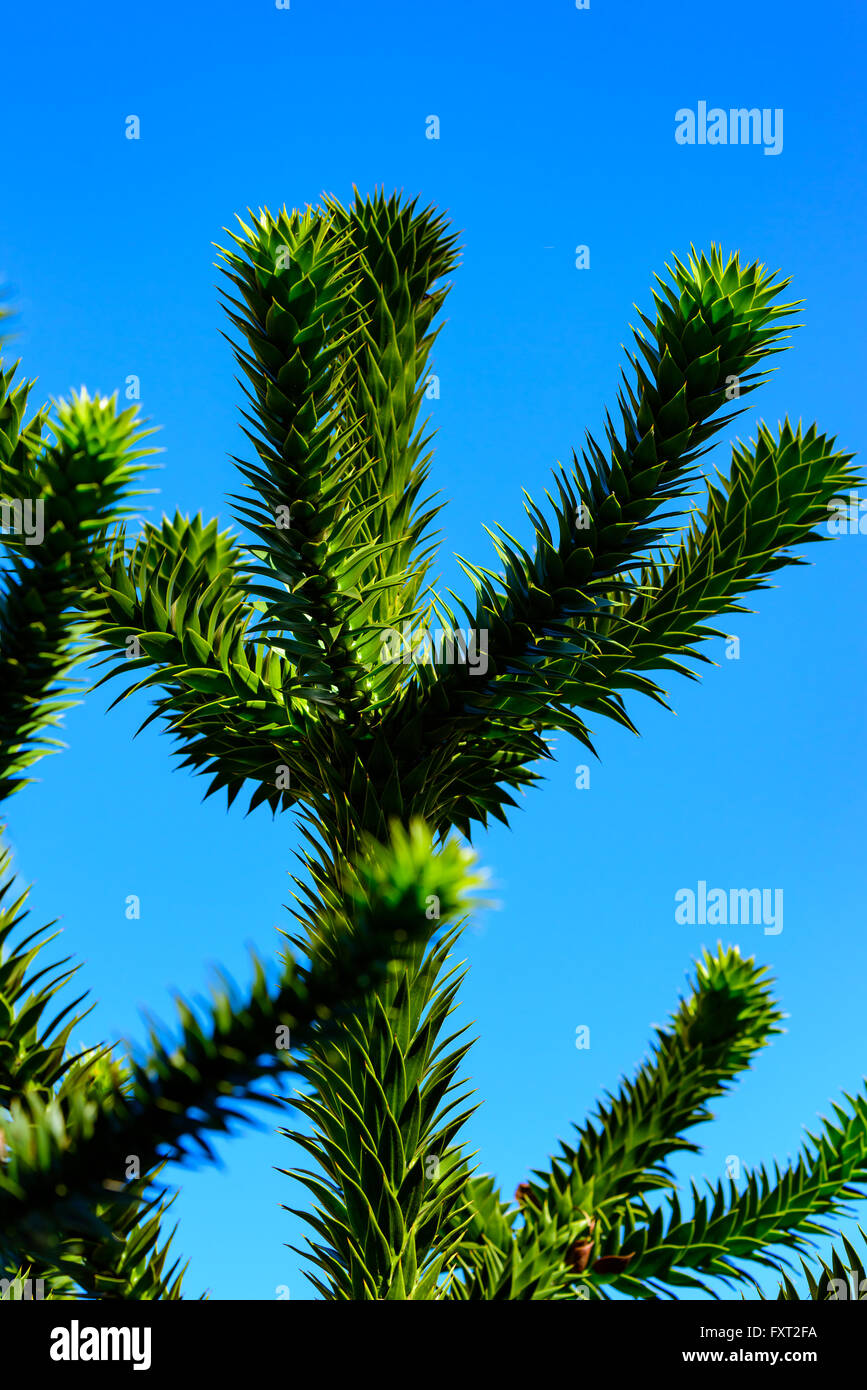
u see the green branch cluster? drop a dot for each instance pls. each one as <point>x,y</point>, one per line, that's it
<point>266,653</point>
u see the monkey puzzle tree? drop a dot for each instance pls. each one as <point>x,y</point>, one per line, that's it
<point>76,1220</point>
<point>269,657</point>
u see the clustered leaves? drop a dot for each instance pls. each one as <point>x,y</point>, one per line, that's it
<point>81,485</point>
<point>67,1144</point>
<point>266,652</point>
<point>595,1212</point>
<point>380,1127</point>
<point>177,610</point>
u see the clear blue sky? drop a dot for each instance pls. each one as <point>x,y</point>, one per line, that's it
<point>557,129</point>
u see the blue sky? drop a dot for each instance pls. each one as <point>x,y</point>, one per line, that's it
<point>556,130</point>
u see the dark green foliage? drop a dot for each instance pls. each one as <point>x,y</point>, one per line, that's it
<point>385,1119</point>
<point>177,610</point>
<point>842,1278</point>
<point>599,1192</point>
<point>68,1136</point>
<point>266,652</point>
<point>82,483</point>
